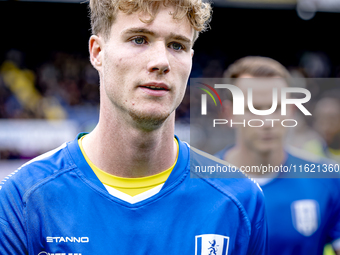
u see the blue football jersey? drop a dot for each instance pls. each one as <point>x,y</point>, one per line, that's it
<point>56,205</point>
<point>303,213</point>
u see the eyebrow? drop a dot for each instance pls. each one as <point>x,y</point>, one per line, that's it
<point>180,37</point>
<point>139,30</point>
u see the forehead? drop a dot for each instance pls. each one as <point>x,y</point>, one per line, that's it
<point>262,87</point>
<point>162,26</point>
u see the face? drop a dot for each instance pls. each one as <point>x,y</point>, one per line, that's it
<point>270,136</point>
<point>143,67</point>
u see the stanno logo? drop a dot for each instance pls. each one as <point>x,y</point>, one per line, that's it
<point>67,239</point>
<point>59,253</point>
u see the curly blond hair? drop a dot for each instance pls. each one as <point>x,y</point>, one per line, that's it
<point>104,12</point>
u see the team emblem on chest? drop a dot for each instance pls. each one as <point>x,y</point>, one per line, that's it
<point>211,244</point>
<point>305,216</point>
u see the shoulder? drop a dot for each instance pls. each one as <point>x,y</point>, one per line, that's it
<point>210,167</point>
<point>314,171</point>
<point>301,156</point>
<point>243,191</point>
<point>308,165</point>
<point>36,172</point>
<point>220,154</point>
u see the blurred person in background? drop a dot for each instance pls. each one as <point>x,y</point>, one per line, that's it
<point>303,213</point>
<point>327,124</point>
<point>125,187</point>
<point>323,138</point>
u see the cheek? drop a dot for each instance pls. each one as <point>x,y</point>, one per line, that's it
<point>181,70</point>
<point>187,67</point>
<point>117,61</point>
<point>117,71</point>
<point>182,65</point>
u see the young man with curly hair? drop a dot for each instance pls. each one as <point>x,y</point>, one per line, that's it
<point>125,187</point>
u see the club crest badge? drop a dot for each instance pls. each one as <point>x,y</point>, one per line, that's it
<point>211,244</point>
<point>305,216</point>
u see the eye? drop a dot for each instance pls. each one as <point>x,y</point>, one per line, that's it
<point>139,40</point>
<point>177,46</point>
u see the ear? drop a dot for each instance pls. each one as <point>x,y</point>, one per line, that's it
<point>96,44</point>
<point>192,52</point>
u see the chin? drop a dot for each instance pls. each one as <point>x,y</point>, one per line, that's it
<point>266,149</point>
<point>149,120</point>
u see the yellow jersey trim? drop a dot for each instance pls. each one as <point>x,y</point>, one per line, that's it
<point>129,186</point>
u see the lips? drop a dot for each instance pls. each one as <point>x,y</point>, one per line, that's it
<point>155,86</point>
<point>155,89</point>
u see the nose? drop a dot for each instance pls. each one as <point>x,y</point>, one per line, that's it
<point>159,59</point>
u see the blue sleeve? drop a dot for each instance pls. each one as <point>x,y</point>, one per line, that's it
<point>258,237</point>
<point>12,225</point>
<point>334,232</point>
<point>258,240</point>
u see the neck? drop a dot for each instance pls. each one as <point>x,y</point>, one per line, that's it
<point>124,150</point>
<point>242,156</point>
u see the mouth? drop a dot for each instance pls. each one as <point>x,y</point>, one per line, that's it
<point>155,86</point>
<point>268,138</point>
<point>155,89</point>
